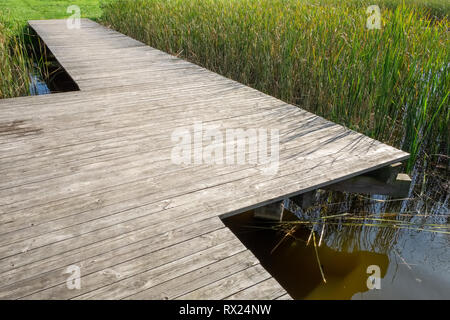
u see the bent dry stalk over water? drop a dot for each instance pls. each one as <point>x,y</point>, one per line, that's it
<point>390,83</point>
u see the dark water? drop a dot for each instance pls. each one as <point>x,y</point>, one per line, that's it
<point>413,259</point>
<point>50,79</point>
<point>47,76</point>
<point>38,86</point>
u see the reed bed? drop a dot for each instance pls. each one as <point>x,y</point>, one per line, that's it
<point>15,62</point>
<point>391,83</point>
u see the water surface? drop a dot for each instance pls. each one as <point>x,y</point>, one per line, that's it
<point>414,262</point>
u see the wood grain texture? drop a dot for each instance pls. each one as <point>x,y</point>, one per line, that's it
<point>87,177</point>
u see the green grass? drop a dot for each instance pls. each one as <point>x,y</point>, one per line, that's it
<point>24,10</point>
<point>391,84</point>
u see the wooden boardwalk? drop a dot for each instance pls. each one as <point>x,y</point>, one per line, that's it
<point>87,177</point>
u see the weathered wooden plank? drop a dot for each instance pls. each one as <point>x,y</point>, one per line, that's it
<point>284,297</point>
<point>228,286</point>
<point>168,271</point>
<point>92,259</point>
<point>126,272</point>
<point>265,290</point>
<point>119,247</point>
<point>199,278</point>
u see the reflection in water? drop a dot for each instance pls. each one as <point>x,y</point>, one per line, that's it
<point>408,239</point>
<point>47,76</point>
<point>54,80</point>
<point>295,265</point>
<point>38,85</point>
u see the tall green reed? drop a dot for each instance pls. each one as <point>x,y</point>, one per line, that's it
<point>15,63</point>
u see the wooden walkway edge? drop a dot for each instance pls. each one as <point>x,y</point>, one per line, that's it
<point>87,180</point>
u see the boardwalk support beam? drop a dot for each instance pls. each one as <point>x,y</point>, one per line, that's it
<point>384,181</point>
<point>386,174</point>
<point>304,200</point>
<point>273,211</point>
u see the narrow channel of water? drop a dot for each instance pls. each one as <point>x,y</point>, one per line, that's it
<point>47,76</point>
<point>38,86</point>
<point>56,81</point>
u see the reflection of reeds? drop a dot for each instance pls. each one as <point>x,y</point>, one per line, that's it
<point>359,222</point>
<point>375,223</point>
<point>318,258</point>
<point>369,226</point>
<point>367,222</point>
